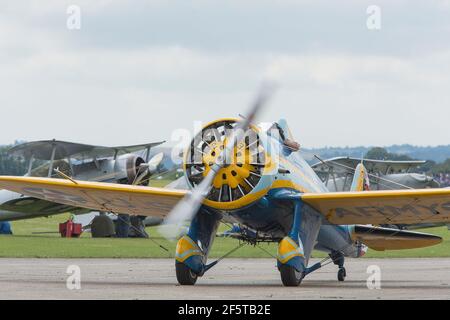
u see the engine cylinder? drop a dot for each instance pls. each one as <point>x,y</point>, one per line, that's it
<point>133,163</point>
<point>237,180</point>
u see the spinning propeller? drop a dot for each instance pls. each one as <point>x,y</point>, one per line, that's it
<point>221,155</point>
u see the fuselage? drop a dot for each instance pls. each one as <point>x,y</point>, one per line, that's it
<point>285,175</point>
<point>273,218</point>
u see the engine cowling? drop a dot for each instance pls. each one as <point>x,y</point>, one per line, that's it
<point>128,167</point>
<point>243,175</point>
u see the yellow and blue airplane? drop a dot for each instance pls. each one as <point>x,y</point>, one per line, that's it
<point>254,177</point>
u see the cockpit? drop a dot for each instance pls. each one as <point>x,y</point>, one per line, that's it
<point>276,131</point>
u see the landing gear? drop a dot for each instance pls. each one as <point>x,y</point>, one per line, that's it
<point>193,248</point>
<point>290,276</point>
<point>341,274</point>
<point>338,259</point>
<point>185,276</point>
<point>290,256</point>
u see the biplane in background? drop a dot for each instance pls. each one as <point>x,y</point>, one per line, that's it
<point>254,176</point>
<point>337,174</point>
<point>121,164</point>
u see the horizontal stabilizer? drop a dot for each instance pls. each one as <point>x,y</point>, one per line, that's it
<point>381,239</point>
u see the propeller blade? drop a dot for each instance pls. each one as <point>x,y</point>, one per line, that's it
<point>188,207</point>
<point>155,162</point>
<point>149,168</point>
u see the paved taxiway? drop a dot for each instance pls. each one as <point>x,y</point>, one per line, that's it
<point>232,279</point>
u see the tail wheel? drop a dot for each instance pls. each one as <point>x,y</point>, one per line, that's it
<point>342,273</point>
<point>185,276</point>
<point>290,276</point>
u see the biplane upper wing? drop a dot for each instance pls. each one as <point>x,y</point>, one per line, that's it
<point>382,207</point>
<point>117,198</point>
<point>48,149</point>
<point>342,165</point>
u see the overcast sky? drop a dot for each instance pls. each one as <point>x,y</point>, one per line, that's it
<point>138,70</point>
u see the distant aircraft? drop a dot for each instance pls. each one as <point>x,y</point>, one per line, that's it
<point>79,161</point>
<point>240,172</point>
<point>337,174</point>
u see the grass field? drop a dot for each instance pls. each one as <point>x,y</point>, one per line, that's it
<point>25,244</point>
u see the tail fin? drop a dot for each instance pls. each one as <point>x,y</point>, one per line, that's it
<point>360,179</point>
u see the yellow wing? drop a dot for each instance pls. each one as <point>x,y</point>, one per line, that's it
<point>383,207</point>
<point>108,197</point>
<point>369,207</point>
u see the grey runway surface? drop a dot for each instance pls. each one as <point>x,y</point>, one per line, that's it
<point>231,279</point>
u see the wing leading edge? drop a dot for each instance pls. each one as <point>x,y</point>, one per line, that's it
<point>368,207</point>
<point>382,207</point>
<point>107,197</point>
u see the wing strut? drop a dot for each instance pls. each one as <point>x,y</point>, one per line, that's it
<point>52,160</point>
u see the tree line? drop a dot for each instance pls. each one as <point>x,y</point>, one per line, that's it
<point>10,165</point>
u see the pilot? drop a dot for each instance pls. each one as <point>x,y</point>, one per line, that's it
<point>277,132</point>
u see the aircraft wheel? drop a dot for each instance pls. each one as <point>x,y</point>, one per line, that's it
<point>185,276</point>
<point>342,273</point>
<point>290,276</point>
